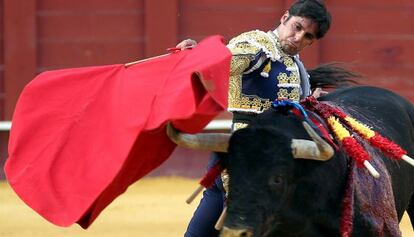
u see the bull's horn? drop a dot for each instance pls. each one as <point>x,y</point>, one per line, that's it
<point>318,149</point>
<point>217,142</point>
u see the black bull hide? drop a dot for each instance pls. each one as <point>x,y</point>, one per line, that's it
<point>273,194</point>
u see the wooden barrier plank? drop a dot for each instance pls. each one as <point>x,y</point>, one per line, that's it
<point>2,95</point>
<point>160,26</point>
<point>19,49</point>
<point>352,20</point>
<point>83,53</point>
<point>89,6</point>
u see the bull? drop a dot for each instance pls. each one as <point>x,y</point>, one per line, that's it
<point>273,194</point>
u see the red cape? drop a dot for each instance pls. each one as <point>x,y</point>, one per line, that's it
<point>81,136</point>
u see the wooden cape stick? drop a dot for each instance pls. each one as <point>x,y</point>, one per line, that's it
<point>145,59</point>
<point>170,50</point>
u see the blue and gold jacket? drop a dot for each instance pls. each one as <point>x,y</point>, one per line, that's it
<point>260,73</point>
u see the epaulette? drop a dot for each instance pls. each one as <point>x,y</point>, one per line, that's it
<point>252,42</point>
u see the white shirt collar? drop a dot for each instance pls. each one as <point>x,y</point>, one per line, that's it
<point>276,33</point>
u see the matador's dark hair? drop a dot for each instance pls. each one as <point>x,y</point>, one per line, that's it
<point>314,10</point>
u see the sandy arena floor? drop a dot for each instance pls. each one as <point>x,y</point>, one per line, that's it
<point>153,207</point>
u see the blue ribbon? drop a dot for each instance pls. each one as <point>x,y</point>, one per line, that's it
<point>288,104</point>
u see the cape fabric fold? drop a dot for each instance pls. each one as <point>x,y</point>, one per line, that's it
<point>81,136</point>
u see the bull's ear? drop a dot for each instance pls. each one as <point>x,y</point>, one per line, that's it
<point>217,142</point>
<point>317,149</point>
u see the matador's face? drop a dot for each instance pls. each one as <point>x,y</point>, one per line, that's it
<point>296,33</point>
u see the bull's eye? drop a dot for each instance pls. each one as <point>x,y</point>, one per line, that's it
<point>276,181</point>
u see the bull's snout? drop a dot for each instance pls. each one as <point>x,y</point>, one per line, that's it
<point>228,232</point>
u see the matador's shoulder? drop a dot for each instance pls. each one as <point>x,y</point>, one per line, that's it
<point>252,42</point>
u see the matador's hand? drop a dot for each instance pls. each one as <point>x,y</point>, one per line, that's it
<point>186,44</point>
<point>318,92</point>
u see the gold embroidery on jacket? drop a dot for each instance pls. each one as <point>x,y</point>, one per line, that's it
<point>288,61</point>
<point>291,81</point>
<point>244,48</point>
<point>284,94</point>
<point>256,39</point>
